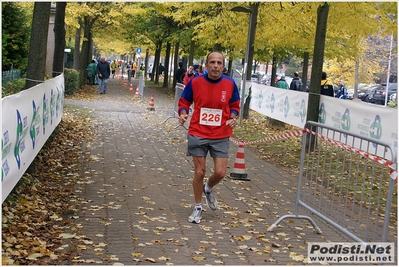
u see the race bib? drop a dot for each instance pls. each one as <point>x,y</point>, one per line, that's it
<point>211,117</point>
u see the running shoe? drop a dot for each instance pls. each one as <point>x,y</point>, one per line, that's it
<point>196,216</point>
<point>211,200</point>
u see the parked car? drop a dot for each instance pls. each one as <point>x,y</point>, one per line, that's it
<point>364,92</point>
<point>364,96</point>
<point>255,78</point>
<point>351,92</point>
<point>378,97</point>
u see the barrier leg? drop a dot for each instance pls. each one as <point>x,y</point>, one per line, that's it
<point>274,225</point>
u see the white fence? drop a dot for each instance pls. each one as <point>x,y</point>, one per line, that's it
<point>364,119</point>
<point>28,119</point>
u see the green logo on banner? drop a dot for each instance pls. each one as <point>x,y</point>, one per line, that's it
<point>322,114</point>
<point>376,128</point>
<point>346,121</point>
<point>286,106</point>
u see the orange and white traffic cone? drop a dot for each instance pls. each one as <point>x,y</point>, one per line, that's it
<point>239,165</point>
<point>137,93</point>
<point>131,88</point>
<point>151,104</point>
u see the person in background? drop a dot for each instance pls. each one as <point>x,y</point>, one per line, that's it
<point>128,68</point>
<point>104,71</point>
<point>326,87</point>
<point>149,71</point>
<point>114,65</point>
<point>161,69</point>
<point>204,70</point>
<point>134,69</point>
<point>93,69</point>
<point>296,83</point>
<point>142,67</point>
<point>342,91</point>
<point>282,83</point>
<point>123,67</point>
<point>179,76</point>
<point>225,72</point>
<point>217,104</point>
<point>189,75</point>
<point>196,70</point>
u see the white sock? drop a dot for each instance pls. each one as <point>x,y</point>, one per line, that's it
<point>198,206</point>
<point>207,188</point>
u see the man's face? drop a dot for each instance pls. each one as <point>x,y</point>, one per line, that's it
<point>190,69</point>
<point>215,65</point>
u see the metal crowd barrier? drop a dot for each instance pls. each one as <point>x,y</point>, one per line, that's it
<point>178,91</point>
<point>10,75</point>
<point>141,84</point>
<point>347,187</point>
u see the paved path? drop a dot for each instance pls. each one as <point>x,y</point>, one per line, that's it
<point>137,196</point>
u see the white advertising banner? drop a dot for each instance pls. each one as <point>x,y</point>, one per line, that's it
<point>28,119</point>
<point>361,118</point>
<point>284,105</point>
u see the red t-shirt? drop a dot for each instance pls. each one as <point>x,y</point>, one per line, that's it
<point>214,101</point>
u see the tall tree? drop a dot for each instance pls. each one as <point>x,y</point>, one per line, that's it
<point>76,53</point>
<point>38,44</point>
<point>176,62</point>
<point>317,65</point>
<point>15,36</point>
<point>166,72</point>
<point>59,38</point>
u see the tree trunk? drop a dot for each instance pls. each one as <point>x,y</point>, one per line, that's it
<point>76,53</point>
<point>317,68</point>
<point>273,76</point>
<point>254,17</point>
<point>229,67</point>
<point>317,65</point>
<point>166,72</point>
<point>85,55</point>
<point>157,60</point>
<point>270,122</point>
<point>38,44</point>
<point>147,55</point>
<point>191,58</point>
<point>184,61</point>
<point>90,45</point>
<point>59,36</point>
<point>176,63</point>
<point>305,70</point>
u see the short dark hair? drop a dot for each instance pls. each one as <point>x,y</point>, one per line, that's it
<point>323,75</point>
<point>296,74</point>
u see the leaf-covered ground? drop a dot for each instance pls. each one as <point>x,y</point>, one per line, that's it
<point>37,217</point>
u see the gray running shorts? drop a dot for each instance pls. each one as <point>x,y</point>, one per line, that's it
<point>199,147</point>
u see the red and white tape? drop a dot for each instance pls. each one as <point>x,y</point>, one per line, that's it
<point>387,163</point>
<point>275,138</point>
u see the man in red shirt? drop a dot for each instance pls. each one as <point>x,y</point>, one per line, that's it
<point>189,75</point>
<point>217,104</point>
